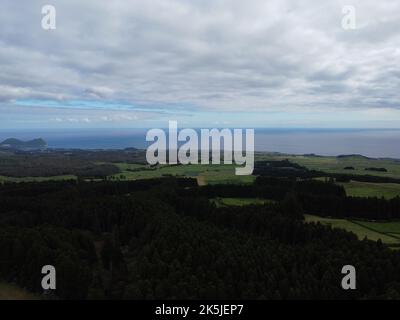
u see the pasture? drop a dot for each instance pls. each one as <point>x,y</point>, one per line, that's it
<point>385,231</point>
<point>368,189</point>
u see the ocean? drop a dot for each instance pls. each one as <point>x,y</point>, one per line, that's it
<point>377,143</point>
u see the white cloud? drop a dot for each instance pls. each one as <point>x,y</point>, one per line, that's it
<point>10,92</point>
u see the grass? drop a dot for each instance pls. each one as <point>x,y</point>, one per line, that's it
<point>13,292</point>
<point>205,174</point>
<point>337,165</point>
<point>222,202</point>
<point>372,230</point>
<point>368,189</point>
<point>391,227</point>
<point>359,163</point>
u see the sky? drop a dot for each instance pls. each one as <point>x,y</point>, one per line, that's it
<point>203,63</point>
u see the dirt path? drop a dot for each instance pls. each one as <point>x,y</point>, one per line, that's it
<point>201,181</point>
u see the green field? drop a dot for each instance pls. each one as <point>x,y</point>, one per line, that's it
<point>392,227</point>
<point>205,174</point>
<point>359,163</point>
<point>386,231</point>
<point>222,202</point>
<point>368,189</point>
<point>13,292</point>
<point>337,165</point>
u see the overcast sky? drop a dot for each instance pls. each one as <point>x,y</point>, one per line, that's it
<point>253,63</point>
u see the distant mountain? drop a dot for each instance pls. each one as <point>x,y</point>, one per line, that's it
<point>35,144</point>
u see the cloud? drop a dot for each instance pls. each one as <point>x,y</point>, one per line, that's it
<point>99,92</point>
<point>208,56</point>
<point>9,92</point>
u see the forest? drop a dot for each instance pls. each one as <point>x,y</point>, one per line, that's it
<point>58,162</point>
<point>164,239</point>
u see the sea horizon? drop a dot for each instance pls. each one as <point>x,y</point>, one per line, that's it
<point>369,142</point>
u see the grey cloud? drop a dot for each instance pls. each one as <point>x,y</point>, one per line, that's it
<point>217,55</point>
<point>99,92</point>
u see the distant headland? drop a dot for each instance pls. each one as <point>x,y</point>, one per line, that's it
<point>16,144</point>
